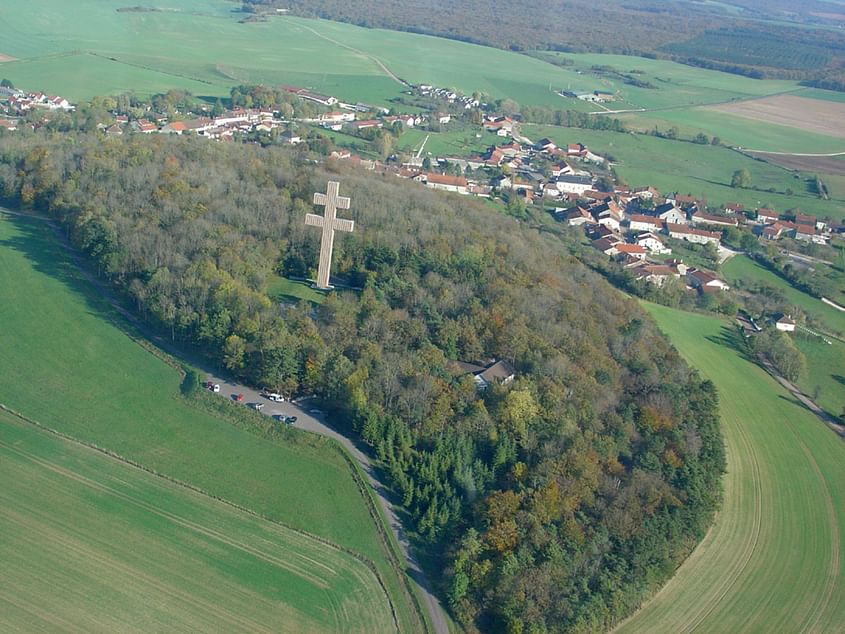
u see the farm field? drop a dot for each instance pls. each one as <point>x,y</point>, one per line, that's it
<point>68,363</point>
<point>736,131</point>
<point>93,544</point>
<point>810,115</point>
<point>674,84</point>
<point>208,51</point>
<point>743,268</point>
<point>773,561</point>
<point>689,168</point>
<point>206,44</point>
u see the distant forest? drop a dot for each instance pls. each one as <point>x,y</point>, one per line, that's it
<point>755,39</point>
<point>556,503</point>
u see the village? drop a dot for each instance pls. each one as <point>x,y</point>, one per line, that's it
<point>634,227</point>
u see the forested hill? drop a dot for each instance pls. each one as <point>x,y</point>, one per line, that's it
<point>555,503</point>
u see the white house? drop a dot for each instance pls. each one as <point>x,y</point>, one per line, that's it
<point>669,213</point>
<point>500,372</point>
<point>443,182</point>
<point>640,222</point>
<point>696,236</point>
<point>699,219</point>
<point>574,184</point>
<point>652,243</point>
<point>785,324</point>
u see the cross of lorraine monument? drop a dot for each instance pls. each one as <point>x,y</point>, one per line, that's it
<point>330,223</point>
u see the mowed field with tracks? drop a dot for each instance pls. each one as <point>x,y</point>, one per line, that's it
<point>773,561</point>
<point>93,544</point>
<point>68,363</point>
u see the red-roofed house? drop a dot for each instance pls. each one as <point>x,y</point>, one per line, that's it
<point>632,250</point>
<point>767,216</point>
<point>696,236</point>
<point>446,183</point>
<point>705,281</point>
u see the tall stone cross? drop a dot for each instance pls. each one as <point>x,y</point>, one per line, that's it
<point>330,223</point>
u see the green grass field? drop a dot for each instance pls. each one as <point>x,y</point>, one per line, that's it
<point>282,289</point>
<point>461,141</point>
<point>202,46</point>
<point>688,168</point>
<point>824,381</point>
<point>68,364</point>
<point>675,84</point>
<point>93,544</point>
<point>736,131</point>
<point>773,561</point>
<point>744,269</point>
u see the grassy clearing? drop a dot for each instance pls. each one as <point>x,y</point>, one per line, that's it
<point>94,544</point>
<point>462,141</point>
<point>742,268</point>
<point>282,289</point>
<point>773,560</point>
<point>689,168</point>
<point>67,363</point>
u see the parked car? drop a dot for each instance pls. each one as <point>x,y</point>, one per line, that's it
<point>291,420</point>
<point>276,398</point>
<point>239,397</point>
<point>257,406</point>
<point>215,388</point>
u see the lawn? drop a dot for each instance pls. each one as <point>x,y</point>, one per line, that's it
<point>93,544</point>
<point>743,268</point>
<point>824,380</point>
<point>68,363</point>
<point>282,289</point>
<point>773,561</point>
<point>459,140</point>
<point>689,168</point>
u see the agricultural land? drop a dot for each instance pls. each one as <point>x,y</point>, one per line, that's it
<point>99,50</point>
<point>83,530</point>
<point>74,369</point>
<point>773,561</point>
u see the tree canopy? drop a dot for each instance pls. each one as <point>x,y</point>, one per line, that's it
<point>553,503</point>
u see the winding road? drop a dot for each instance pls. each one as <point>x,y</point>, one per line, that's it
<point>312,420</point>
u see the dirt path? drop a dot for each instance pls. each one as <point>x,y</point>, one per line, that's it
<point>308,420</point>
<point>805,400</point>
<point>357,51</point>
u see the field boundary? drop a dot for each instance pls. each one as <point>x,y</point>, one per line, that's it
<point>190,487</point>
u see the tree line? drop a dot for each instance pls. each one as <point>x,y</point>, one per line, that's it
<point>555,503</point>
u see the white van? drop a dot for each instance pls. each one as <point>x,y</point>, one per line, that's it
<point>276,398</point>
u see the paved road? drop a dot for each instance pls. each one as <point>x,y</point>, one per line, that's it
<point>307,419</point>
<point>312,420</point>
